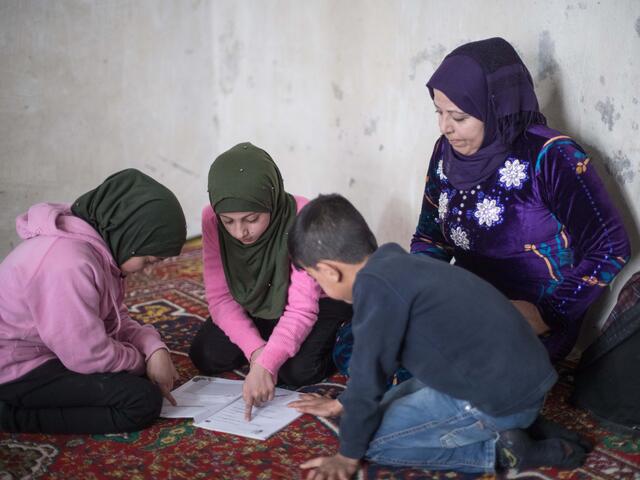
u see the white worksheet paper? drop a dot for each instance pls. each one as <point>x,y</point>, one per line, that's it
<point>200,395</point>
<point>217,404</point>
<point>265,421</point>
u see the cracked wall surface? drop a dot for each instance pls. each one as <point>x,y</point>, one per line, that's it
<point>334,90</point>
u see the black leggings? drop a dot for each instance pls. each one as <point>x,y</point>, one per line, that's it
<point>53,399</point>
<point>212,352</point>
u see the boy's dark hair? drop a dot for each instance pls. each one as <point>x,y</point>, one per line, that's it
<point>330,228</point>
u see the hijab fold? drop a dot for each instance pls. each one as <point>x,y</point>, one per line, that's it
<point>135,215</point>
<point>488,80</point>
<point>245,178</point>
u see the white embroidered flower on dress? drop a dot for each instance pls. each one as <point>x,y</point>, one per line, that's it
<point>440,171</point>
<point>443,205</point>
<point>513,174</point>
<point>459,238</point>
<point>488,212</point>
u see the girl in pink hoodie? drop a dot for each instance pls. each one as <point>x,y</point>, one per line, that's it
<point>263,310</point>
<point>71,358</point>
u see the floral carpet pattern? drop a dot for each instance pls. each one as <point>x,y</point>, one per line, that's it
<point>170,296</point>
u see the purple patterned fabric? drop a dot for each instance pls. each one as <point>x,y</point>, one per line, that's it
<point>541,228</point>
<point>488,80</point>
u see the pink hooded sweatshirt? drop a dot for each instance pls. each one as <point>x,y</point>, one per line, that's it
<point>297,320</point>
<point>61,295</point>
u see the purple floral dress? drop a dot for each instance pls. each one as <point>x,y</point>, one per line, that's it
<point>542,229</point>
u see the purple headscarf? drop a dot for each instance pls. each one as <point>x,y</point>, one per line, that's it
<point>488,80</point>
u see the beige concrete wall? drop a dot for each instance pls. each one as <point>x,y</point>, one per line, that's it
<point>89,88</point>
<point>334,90</point>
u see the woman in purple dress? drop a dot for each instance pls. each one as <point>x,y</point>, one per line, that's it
<point>514,201</point>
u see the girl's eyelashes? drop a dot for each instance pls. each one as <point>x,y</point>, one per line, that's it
<point>248,220</point>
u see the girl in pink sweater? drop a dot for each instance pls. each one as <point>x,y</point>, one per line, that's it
<point>263,310</point>
<point>71,358</point>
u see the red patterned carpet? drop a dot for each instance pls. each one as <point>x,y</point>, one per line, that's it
<point>172,299</point>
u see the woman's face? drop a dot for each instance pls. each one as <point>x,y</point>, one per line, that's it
<point>464,132</point>
<point>246,227</point>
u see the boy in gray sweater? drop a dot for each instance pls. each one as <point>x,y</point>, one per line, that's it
<point>479,372</point>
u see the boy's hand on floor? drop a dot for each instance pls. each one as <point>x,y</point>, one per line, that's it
<point>316,404</point>
<point>162,372</point>
<point>337,467</point>
<point>259,386</point>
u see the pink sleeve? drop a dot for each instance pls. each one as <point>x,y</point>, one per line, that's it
<point>299,317</point>
<point>300,314</point>
<point>67,313</point>
<point>144,337</point>
<point>225,312</point>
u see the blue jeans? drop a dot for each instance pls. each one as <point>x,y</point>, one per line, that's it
<point>424,428</point>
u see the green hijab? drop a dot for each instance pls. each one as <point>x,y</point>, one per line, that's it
<point>246,179</point>
<point>135,215</point>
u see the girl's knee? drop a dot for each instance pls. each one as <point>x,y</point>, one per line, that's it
<point>209,363</point>
<point>299,373</point>
<point>141,408</point>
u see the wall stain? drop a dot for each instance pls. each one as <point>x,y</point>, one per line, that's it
<point>381,147</point>
<point>635,101</point>
<point>608,113</point>
<point>371,127</point>
<point>638,26</point>
<point>634,125</point>
<point>230,48</point>
<point>337,91</point>
<point>177,166</point>
<point>619,167</point>
<point>567,10</point>
<point>292,148</point>
<point>547,64</point>
<point>432,55</point>
<point>337,121</point>
<point>352,181</point>
<point>601,79</point>
<point>150,167</point>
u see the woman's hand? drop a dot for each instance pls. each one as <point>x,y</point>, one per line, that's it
<point>259,386</point>
<point>337,467</point>
<point>532,315</point>
<point>162,372</point>
<point>316,404</point>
